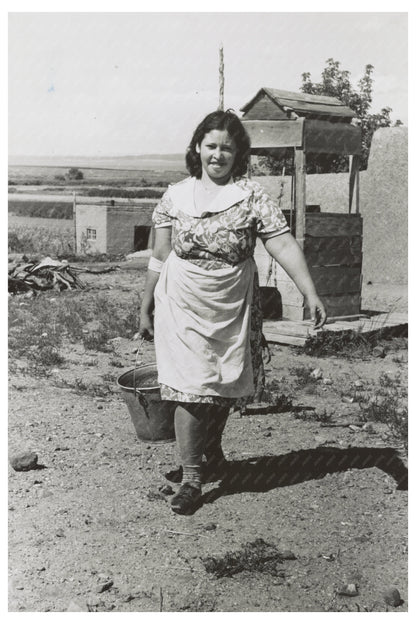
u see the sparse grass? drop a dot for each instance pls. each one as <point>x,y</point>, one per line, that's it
<point>353,344</point>
<point>40,240</point>
<point>116,363</point>
<point>387,403</point>
<point>98,341</point>
<point>313,415</point>
<point>257,556</point>
<point>38,208</point>
<point>80,386</point>
<point>304,380</point>
<point>139,193</point>
<point>39,326</point>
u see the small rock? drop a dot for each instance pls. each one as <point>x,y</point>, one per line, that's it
<point>368,427</point>
<point>76,606</point>
<point>358,383</point>
<point>210,527</point>
<point>379,352</point>
<point>166,489</point>
<point>330,557</point>
<point>348,590</point>
<point>327,382</point>
<point>392,597</point>
<point>24,462</point>
<point>287,555</point>
<point>354,428</point>
<point>60,533</point>
<point>267,434</point>
<point>154,496</point>
<point>102,587</point>
<point>347,399</point>
<point>317,373</point>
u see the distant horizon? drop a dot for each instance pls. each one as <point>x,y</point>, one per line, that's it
<point>174,155</point>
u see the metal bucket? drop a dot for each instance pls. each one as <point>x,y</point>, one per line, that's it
<point>153,418</point>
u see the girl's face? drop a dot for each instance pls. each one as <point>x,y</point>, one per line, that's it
<point>218,152</point>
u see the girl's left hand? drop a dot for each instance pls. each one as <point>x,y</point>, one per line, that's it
<point>317,310</point>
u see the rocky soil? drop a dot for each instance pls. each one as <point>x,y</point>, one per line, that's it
<point>90,528</point>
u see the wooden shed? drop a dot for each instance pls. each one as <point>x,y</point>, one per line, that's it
<point>281,122</point>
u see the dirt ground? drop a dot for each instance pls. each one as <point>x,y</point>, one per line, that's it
<point>90,530</point>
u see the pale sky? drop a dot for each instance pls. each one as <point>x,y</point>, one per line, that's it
<point>131,83</point>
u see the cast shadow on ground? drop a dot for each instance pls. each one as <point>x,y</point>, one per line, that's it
<point>261,474</point>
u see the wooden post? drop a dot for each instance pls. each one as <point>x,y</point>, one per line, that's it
<point>354,182</point>
<point>300,194</point>
<point>74,217</point>
<point>221,77</point>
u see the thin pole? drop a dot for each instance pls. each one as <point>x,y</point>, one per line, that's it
<point>221,100</point>
<point>74,217</point>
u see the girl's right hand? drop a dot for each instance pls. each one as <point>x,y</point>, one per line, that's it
<point>146,327</point>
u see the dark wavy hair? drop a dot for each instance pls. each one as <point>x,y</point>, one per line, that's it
<point>220,120</point>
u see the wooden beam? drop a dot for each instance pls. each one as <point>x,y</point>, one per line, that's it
<point>333,250</point>
<point>274,134</point>
<point>354,182</point>
<point>326,137</point>
<point>333,224</point>
<point>300,194</point>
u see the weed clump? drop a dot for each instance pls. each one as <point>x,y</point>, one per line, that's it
<point>350,343</point>
<point>322,416</point>
<point>257,556</point>
<point>387,404</point>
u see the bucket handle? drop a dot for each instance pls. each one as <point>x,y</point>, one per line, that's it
<point>137,392</point>
<point>139,352</point>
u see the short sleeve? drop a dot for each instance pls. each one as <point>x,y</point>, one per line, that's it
<point>162,213</point>
<point>270,220</point>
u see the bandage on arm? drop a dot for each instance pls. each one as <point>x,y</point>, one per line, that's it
<point>155,264</point>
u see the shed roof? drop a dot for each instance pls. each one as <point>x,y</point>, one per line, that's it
<point>303,103</point>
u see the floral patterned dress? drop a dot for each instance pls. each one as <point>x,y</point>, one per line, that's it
<point>222,236</point>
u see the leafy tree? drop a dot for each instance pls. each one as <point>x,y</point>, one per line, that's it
<point>336,82</point>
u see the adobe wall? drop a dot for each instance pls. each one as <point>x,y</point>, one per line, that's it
<point>121,221</point>
<point>383,204</point>
<point>93,217</point>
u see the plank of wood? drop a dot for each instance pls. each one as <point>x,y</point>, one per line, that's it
<point>297,332</point>
<point>291,328</point>
<point>333,224</point>
<point>336,280</point>
<point>264,107</point>
<point>274,134</point>
<point>284,339</point>
<point>326,137</point>
<point>354,182</point>
<point>300,195</point>
<point>340,305</point>
<point>327,250</point>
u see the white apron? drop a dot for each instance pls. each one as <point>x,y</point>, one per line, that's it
<point>202,328</point>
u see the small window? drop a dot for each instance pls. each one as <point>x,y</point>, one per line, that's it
<point>91,234</point>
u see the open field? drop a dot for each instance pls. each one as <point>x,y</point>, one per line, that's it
<point>30,175</point>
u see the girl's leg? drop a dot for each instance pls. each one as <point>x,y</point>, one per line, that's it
<point>213,452</point>
<point>186,419</point>
<point>191,432</point>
